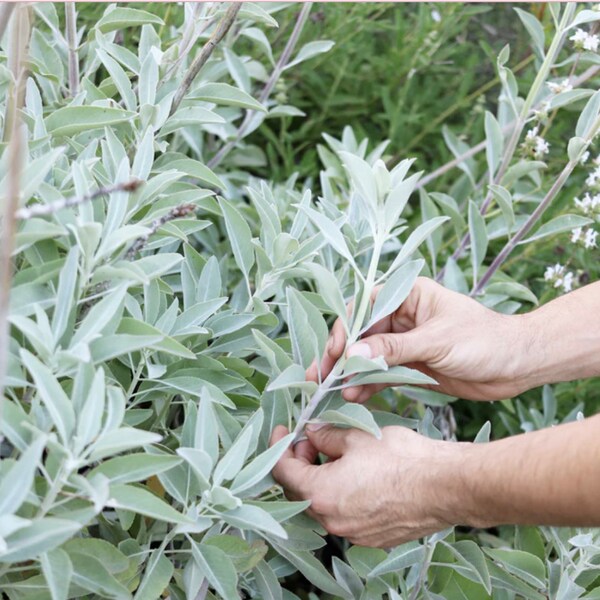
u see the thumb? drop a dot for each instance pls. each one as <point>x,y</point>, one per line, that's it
<point>331,441</point>
<point>396,348</point>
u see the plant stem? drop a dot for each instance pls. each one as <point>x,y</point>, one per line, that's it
<point>537,213</point>
<point>223,26</point>
<point>264,96</point>
<point>19,37</point>
<point>329,382</point>
<point>511,147</point>
<point>71,33</point>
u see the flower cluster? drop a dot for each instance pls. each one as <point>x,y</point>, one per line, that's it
<point>585,237</point>
<point>588,205</point>
<point>535,145</point>
<point>559,277</point>
<point>582,40</point>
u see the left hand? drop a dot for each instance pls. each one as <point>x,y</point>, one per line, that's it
<point>374,492</point>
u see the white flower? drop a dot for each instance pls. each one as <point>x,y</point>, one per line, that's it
<point>590,239</point>
<point>532,133</point>
<point>567,283</point>
<point>435,15</point>
<point>542,112</point>
<point>576,234</point>
<point>579,36</point>
<point>553,272</point>
<point>591,43</point>
<point>557,88</point>
<point>592,178</point>
<point>584,158</point>
<point>541,147</point>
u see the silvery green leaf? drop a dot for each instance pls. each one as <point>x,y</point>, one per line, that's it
<point>483,435</point>
<point>293,377</point>
<point>120,440</point>
<point>308,333</point>
<point>221,498</point>
<point>479,238</point>
<point>197,170</point>
<point>415,239</point>
<point>576,148</point>
<point>401,558</point>
<point>347,577</point>
<point>260,466</point>
<point>359,364</point>
<point>267,583</point>
<point>535,30</point>
<point>229,466</point>
<point>394,376</point>
<point>240,237</point>
<point>144,156</point>
<point>90,574</point>
<point>120,79</point>
<point>258,35</point>
<point>41,536</point>
<point>225,94</point>
<point>471,562</point>
<point>569,97</point>
<point>209,284</point>
<point>52,395</point>
<point>71,120</point>
<point>217,567</point>
<point>501,578</point>
<point>157,576</point>
<point>200,462</point>
<point>134,467</point>
<point>111,346</point>
<point>505,201</point>
<point>148,80</point>
<point>253,518</point>
<point>512,289</point>
<point>329,289</point>
<point>17,480</point>
<point>459,149</point>
<point>427,397</point>
<point>65,294</point>
<point>559,224</point>
<point>121,17</point>
<point>395,291</point>
<point>190,115</point>
<point>312,569</point>
<point>585,16</point>
<point>140,500</point>
<point>494,141</point>
<point>398,198</point>
<point>100,316</point>
<point>89,421</point>
<point>454,278</point>
<point>352,415</point>
<point>523,565</point>
<point>331,232</point>
<point>57,570</point>
<point>362,177</point>
<point>588,116</point>
<point>309,50</point>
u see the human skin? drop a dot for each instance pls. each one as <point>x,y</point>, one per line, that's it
<point>404,486</point>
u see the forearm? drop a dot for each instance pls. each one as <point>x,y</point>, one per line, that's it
<point>563,338</point>
<point>547,477</point>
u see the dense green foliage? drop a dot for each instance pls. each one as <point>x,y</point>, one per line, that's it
<point>161,329</point>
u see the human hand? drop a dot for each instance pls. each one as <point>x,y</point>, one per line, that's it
<point>470,350</point>
<point>374,492</point>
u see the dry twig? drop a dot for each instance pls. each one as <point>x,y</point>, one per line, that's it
<point>71,33</point>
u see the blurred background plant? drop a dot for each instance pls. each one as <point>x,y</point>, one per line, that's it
<point>200,182</point>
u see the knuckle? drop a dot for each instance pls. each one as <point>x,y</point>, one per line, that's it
<point>392,346</point>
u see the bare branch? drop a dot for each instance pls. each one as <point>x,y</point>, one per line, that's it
<point>71,32</point>
<point>42,210</point>
<point>223,26</point>
<point>264,96</point>
<point>19,38</point>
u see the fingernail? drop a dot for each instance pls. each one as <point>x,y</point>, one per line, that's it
<point>315,426</point>
<point>360,349</point>
<point>329,346</point>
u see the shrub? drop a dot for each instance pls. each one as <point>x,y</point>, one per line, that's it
<point>165,304</point>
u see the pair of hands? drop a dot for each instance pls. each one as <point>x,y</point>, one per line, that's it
<point>404,486</point>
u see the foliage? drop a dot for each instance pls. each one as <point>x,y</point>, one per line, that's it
<point>161,329</point>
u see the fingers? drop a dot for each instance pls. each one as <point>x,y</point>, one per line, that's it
<point>331,441</point>
<point>334,349</point>
<point>361,393</point>
<point>294,470</point>
<point>396,348</point>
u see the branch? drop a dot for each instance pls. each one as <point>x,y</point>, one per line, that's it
<point>536,214</point>
<point>42,210</point>
<point>19,38</point>
<point>183,210</point>
<point>71,33</point>
<point>223,26</point>
<point>264,96</point>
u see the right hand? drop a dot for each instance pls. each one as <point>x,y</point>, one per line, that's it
<point>470,350</point>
